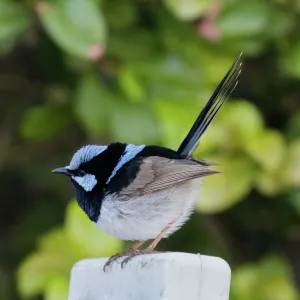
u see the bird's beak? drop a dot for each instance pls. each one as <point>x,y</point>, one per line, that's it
<point>63,170</point>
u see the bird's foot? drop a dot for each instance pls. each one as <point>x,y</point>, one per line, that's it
<point>112,259</point>
<point>135,253</point>
<point>118,255</point>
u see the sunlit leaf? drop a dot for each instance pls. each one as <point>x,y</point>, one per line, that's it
<point>57,289</point>
<point>221,191</point>
<point>270,183</point>
<point>93,241</point>
<point>268,149</point>
<point>237,123</point>
<point>51,243</point>
<point>38,270</point>
<point>270,279</point>
<point>241,122</point>
<point>48,268</point>
<point>244,19</point>
<point>215,138</point>
<point>188,10</point>
<point>291,168</point>
<point>76,25</point>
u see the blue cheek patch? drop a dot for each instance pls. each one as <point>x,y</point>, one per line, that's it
<point>87,182</point>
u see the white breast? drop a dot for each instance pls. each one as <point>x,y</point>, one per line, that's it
<point>144,217</point>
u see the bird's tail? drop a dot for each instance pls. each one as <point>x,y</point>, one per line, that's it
<point>220,95</point>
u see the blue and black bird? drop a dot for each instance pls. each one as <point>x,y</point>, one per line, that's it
<point>139,192</point>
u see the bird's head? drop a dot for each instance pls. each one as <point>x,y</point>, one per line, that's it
<point>86,167</point>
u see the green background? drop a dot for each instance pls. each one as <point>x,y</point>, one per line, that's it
<point>74,72</point>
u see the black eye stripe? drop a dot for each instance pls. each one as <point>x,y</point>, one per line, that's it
<point>77,172</point>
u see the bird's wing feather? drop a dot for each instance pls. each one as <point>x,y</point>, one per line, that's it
<point>157,173</point>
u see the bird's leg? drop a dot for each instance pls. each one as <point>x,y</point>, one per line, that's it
<point>154,243</point>
<point>133,248</point>
<point>150,248</point>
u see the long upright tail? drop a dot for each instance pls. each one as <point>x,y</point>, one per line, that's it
<point>220,95</point>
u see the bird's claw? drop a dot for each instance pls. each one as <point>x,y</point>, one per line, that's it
<point>111,260</point>
<point>135,253</point>
<point>116,256</point>
<point>128,256</point>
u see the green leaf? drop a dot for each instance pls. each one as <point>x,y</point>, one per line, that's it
<point>93,241</point>
<point>163,77</point>
<point>47,269</point>
<point>76,25</point>
<point>57,289</point>
<point>270,183</point>
<point>281,22</point>
<point>44,122</point>
<point>221,191</point>
<point>175,122</point>
<point>93,105</point>
<point>137,45</point>
<point>51,243</point>
<point>188,10</point>
<point>268,149</point>
<point>134,123</point>
<point>244,19</point>
<point>236,124</point>
<point>38,270</point>
<point>290,60</point>
<point>131,84</point>
<point>241,121</point>
<point>169,70</point>
<point>14,21</point>
<point>291,168</point>
<point>268,280</point>
<point>297,5</point>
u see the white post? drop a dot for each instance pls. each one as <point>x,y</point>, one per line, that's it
<point>163,276</point>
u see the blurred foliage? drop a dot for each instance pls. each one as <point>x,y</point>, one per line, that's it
<point>47,270</point>
<point>79,71</point>
<point>270,279</point>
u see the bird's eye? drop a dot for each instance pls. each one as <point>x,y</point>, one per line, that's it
<point>78,173</point>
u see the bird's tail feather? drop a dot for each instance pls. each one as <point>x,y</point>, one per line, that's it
<point>220,95</point>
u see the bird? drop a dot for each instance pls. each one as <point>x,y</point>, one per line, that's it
<point>139,192</point>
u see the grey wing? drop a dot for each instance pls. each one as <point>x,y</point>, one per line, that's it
<point>157,173</point>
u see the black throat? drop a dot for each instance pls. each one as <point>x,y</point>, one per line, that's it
<point>102,167</point>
